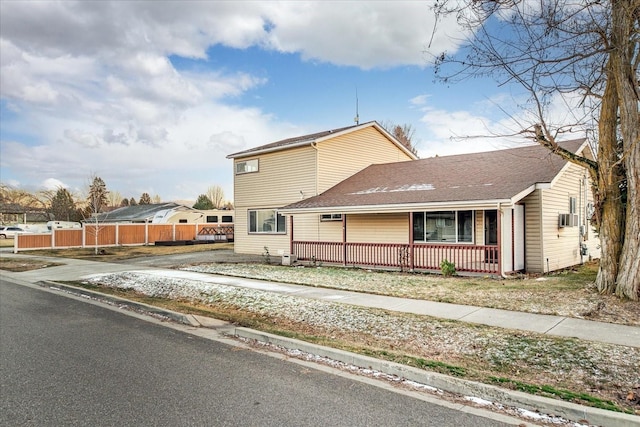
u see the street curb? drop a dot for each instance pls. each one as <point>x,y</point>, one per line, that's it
<point>567,410</point>
<point>185,319</point>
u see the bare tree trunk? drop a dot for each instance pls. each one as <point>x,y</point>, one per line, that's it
<point>609,210</point>
<point>629,272</point>
<point>623,60</point>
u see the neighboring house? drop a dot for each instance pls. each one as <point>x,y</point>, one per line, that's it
<point>164,213</point>
<point>277,174</point>
<point>520,209</point>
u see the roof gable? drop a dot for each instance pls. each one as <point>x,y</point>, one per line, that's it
<point>494,175</point>
<point>316,138</point>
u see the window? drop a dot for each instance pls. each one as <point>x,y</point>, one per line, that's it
<point>212,218</point>
<point>246,166</point>
<point>227,218</point>
<point>444,226</point>
<point>572,205</point>
<point>331,217</point>
<point>267,221</point>
<point>182,221</point>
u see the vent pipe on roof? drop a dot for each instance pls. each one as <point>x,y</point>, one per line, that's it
<point>357,117</point>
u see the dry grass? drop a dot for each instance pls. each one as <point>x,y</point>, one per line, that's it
<point>568,293</point>
<point>6,243</point>
<point>123,253</point>
<point>18,265</point>
<point>602,375</point>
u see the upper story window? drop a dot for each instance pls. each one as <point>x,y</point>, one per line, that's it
<point>212,218</point>
<point>246,166</point>
<point>331,217</point>
<point>443,226</point>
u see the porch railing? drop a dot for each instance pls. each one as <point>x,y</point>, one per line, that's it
<point>466,258</point>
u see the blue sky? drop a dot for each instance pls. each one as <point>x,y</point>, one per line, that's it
<point>152,96</point>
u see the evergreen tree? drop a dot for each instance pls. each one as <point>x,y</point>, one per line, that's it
<point>63,208</point>
<point>98,195</point>
<point>203,203</point>
<point>132,202</point>
<point>145,199</point>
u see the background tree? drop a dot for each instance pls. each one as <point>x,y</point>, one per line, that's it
<point>403,133</point>
<point>98,197</point>
<point>96,203</point>
<point>11,195</point>
<point>215,193</point>
<point>560,49</point>
<point>124,202</point>
<point>145,199</point>
<point>114,199</point>
<point>132,202</point>
<point>63,207</point>
<point>203,203</point>
<point>156,199</point>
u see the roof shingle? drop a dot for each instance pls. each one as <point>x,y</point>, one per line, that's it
<point>494,175</point>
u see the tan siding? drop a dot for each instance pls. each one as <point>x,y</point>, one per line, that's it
<point>246,243</point>
<point>286,176</point>
<point>533,232</point>
<point>479,227</point>
<point>341,157</point>
<point>378,228</point>
<point>309,227</point>
<point>279,181</point>
<point>561,245</point>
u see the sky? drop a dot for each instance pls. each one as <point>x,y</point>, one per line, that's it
<point>152,96</point>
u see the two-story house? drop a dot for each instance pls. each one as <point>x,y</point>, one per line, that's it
<point>271,176</point>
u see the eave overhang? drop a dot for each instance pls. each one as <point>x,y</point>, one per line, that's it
<point>398,208</point>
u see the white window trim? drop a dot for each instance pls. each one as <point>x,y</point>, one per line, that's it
<point>330,217</point>
<point>248,168</point>
<point>275,216</point>
<point>455,225</point>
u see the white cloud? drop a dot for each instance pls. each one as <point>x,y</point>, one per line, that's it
<point>53,184</point>
<point>92,87</point>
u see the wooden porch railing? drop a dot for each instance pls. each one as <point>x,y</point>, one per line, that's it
<point>466,258</point>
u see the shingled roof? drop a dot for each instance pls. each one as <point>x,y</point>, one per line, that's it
<point>494,176</point>
<point>312,138</point>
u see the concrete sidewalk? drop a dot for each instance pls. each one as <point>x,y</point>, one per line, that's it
<point>74,269</point>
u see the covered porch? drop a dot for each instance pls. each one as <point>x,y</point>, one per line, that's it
<point>476,241</point>
<point>413,257</point>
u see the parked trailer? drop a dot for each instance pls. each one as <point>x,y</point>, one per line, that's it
<point>62,225</point>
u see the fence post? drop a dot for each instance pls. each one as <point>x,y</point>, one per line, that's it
<point>173,231</point>
<point>146,233</point>
<point>117,233</point>
<point>53,237</point>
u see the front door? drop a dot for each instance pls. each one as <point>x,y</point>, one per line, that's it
<point>491,235</point>
<point>491,228</point>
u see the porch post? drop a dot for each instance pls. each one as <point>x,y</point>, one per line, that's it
<point>291,235</point>
<point>412,263</point>
<point>499,232</point>
<point>344,239</point>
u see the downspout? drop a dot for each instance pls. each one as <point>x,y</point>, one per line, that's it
<point>291,237</point>
<point>579,209</point>
<point>412,263</point>
<point>314,145</point>
<point>344,239</point>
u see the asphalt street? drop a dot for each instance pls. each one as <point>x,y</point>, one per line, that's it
<point>66,362</point>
